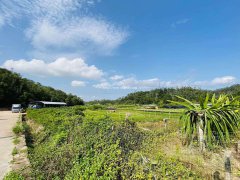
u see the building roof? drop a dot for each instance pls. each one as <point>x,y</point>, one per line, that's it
<point>52,103</point>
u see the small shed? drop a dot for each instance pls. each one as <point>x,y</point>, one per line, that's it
<point>42,104</point>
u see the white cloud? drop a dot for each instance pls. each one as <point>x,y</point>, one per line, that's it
<point>103,85</point>
<point>40,8</point>
<point>60,67</point>
<point>54,8</point>
<point>201,83</point>
<point>55,27</point>
<point>77,33</point>
<point>180,22</point>
<point>78,83</point>
<point>116,77</point>
<point>225,80</point>
<point>1,21</point>
<point>133,83</point>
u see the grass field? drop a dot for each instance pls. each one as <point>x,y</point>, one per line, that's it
<point>168,141</point>
<point>136,115</point>
<point>103,144</point>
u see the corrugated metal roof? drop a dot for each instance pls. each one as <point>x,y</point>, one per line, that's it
<point>53,103</point>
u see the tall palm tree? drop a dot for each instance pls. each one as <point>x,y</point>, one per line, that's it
<point>214,120</point>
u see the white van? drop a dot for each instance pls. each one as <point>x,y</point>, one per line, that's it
<point>16,108</point>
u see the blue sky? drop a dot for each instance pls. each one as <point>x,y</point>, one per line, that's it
<point>105,49</point>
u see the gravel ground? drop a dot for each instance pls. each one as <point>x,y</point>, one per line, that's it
<point>7,122</point>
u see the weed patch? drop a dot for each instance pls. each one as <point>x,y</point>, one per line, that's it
<point>71,145</point>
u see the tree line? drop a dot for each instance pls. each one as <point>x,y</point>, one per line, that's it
<point>15,89</point>
<point>162,96</point>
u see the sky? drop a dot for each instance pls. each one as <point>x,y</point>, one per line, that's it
<point>105,49</point>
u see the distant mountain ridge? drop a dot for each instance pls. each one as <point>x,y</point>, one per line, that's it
<point>15,89</point>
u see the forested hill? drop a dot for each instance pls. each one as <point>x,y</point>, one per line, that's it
<point>161,96</point>
<point>232,90</point>
<point>15,89</point>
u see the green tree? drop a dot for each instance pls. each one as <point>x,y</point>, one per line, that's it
<point>15,89</point>
<point>72,100</point>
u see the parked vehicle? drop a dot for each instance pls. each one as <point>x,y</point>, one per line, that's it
<point>16,108</point>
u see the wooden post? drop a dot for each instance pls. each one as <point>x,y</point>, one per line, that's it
<point>127,116</point>
<point>238,147</point>
<point>227,165</point>
<point>216,175</point>
<point>201,133</point>
<point>165,120</point>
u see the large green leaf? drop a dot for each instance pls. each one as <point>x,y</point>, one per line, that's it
<point>221,118</point>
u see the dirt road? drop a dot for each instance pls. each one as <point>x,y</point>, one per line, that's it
<point>7,122</point>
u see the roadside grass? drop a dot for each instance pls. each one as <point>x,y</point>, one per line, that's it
<point>16,141</point>
<point>20,163</point>
<point>18,128</point>
<point>15,151</point>
<point>13,176</point>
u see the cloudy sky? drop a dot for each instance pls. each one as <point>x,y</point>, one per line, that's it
<point>105,49</point>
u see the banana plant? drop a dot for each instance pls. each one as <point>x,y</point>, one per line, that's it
<point>213,121</point>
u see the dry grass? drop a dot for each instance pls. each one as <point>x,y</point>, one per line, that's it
<point>168,141</point>
<point>35,127</point>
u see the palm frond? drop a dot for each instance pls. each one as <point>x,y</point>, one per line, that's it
<point>220,120</point>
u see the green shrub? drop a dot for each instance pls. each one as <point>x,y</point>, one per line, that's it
<point>13,176</point>
<point>16,140</point>
<point>26,127</point>
<point>18,129</point>
<point>79,109</point>
<point>96,107</point>
<point>15,151</point>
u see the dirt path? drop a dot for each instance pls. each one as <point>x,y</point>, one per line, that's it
<point>7,122</point>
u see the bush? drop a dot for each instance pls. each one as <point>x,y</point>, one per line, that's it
<point>16,141</point>
<point>15,151</point>
<point>78,110</point>
<point>96,107</point>
<point>18,129</point>
<point>13,176</point>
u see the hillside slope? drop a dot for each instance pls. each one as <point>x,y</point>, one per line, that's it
<point>15,89</point>
<point>161,96</point>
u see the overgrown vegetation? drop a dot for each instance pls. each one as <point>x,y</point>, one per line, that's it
<point>18,129</point>
<point>15,151</point>
<point>15,89</point>
<point>14,176</point>
<point>16,140</point>
<point>68,145</point>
